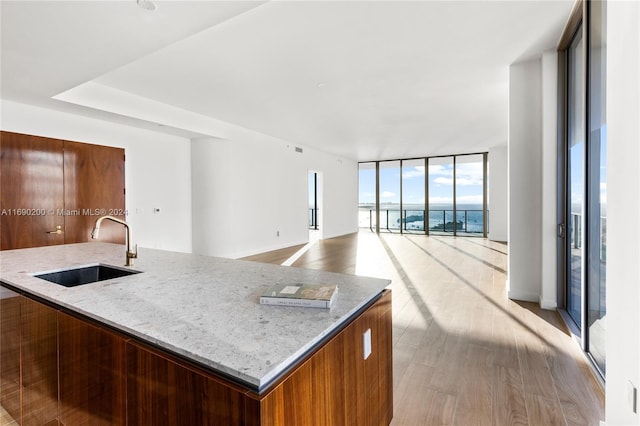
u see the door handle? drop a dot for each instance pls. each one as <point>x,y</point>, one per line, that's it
<point>561,230</point>
<point>58,230</point>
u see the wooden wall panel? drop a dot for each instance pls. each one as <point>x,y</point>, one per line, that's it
<point>31,185</point>
<point>92,374</point>
<point>10,353</point>
<point>49,183</point>
<point>46,190</point>
<point>39,359</point>
<point>93,181</point>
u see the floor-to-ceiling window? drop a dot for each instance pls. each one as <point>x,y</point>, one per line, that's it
<point>470,193</point>
<point>367,195</point>
<point>583,173</point>
<point>413,196</point>
<point>441,195</point>
<point>390,188</point>
<point>445,195</point>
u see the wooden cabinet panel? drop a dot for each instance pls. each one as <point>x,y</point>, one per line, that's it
<point>384,347</point>
<point>161,392</point>
<point>92,374</point>
<point>336,385</point>
<point>303,398</point>
<point>353,372</point>
<point>31,185</point>
<point>10,353</point>
<point>39,359</point>
<point>102,377</point>
<point>93,181</point>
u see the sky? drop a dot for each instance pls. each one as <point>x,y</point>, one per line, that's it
<point>468,179</point>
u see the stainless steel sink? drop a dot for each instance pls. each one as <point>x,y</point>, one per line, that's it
<point>85,275</point>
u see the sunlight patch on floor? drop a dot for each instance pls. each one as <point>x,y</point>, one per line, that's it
<point>314,237</point>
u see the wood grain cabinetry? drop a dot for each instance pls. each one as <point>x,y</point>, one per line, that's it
<point>107,378</point>
<point>333,386</point>
<point>10,395</point>
<point>29,367</point>
<point>160,391</point>
<point>52,190</point>
<point>39,360</point>
<point>92,374</point>
<point>337,386</point>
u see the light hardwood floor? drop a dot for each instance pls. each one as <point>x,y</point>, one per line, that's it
<point>6,419</point>
<point>464,353</point>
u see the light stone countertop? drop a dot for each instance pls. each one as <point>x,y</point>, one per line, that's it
<point>204,308</point>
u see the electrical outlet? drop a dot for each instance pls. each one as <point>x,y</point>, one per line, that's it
<point>366,337</point>
<point>632,397</point>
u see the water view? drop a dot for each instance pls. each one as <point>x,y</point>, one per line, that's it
<point>469,217</point>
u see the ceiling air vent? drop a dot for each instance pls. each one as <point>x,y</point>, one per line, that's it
<point>298,149</point>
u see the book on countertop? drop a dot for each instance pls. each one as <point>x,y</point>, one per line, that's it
<point>306,295</point>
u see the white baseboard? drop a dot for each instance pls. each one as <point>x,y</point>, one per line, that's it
<point>523,296</point>
<point>550,305</point>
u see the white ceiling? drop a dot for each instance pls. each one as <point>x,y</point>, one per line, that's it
<point>362,79</point>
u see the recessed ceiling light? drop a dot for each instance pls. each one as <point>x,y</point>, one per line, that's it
<point>147,5</point>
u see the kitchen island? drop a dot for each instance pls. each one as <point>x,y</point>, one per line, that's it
<point>188,337</point>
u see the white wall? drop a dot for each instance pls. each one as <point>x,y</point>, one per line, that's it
<point>623,204</point>
<point>498,195</point>
<point>250,187</point>
<point>549,285</point>
<point>157,169</point>
<point>525,189</point>
<point>245,189</point>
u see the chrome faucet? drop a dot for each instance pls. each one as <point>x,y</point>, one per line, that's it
<point>130,254</point>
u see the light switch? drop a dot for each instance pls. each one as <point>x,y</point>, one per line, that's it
<point>367,343</point>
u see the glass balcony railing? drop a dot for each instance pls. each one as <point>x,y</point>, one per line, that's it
<point>439,221</point>
<point>313,218</point>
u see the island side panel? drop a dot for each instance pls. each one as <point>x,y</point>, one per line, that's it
<point>385,364</point>
<point>336,385</point>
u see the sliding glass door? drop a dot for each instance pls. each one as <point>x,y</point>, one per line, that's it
<point>575,176</point>
<point>583,116</point>
<point>597,185</point>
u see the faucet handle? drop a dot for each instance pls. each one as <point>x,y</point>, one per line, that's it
<point>133,254</point>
